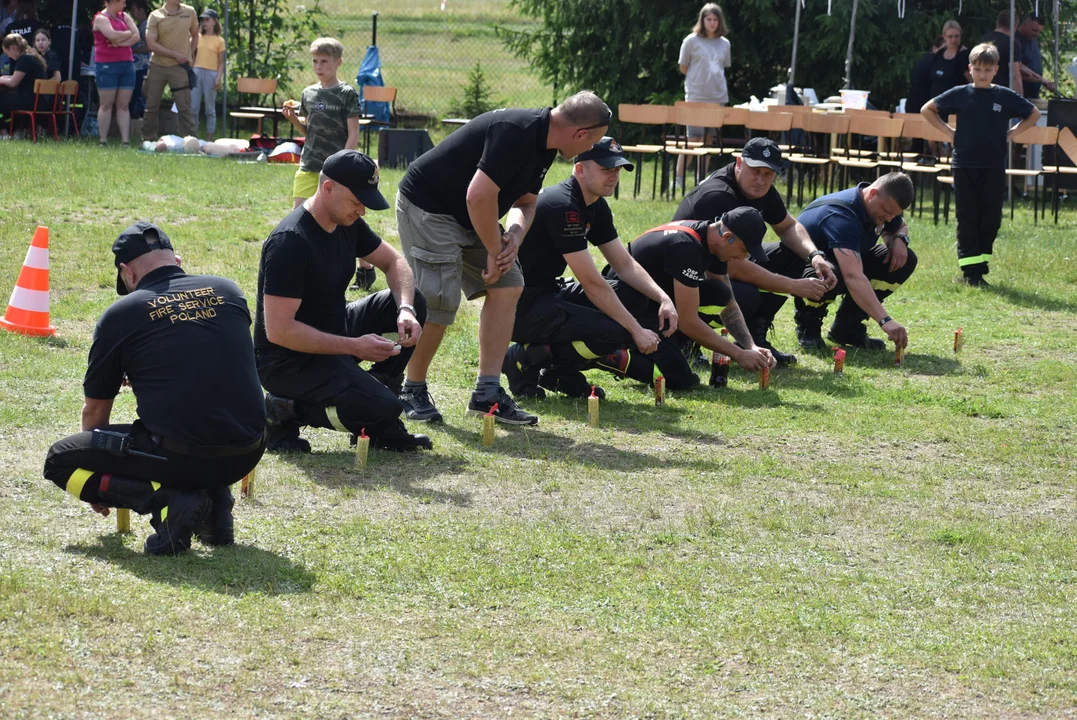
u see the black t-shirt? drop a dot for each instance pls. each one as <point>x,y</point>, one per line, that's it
<point>563,224</point>
<point>983,120</point>
<point>507,145</point>
<point>301,260</point>
<point>946,74</point>
<point>919,84</point>
<point>184,342</point>
<point>719,194</point>
<point>840,220</point>
<point>32,69</point>
<point>1001,41</point>
<point>53,61</point>
<point>668,254</point>
<point>26,28</point>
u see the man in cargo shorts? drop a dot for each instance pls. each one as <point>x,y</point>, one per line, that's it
<point>447,209</point>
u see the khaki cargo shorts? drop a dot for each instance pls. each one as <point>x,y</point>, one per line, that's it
<point>446,259</point>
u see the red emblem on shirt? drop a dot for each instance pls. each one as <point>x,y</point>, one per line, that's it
<point>572,217</point>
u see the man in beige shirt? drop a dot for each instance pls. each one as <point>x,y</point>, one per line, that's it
<point>172,35</point>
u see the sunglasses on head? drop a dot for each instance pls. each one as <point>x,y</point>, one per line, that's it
<point>604,123</point>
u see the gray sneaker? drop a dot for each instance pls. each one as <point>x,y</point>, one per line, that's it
<point>418,405</point>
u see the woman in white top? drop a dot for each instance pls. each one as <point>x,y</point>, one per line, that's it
<point>704,57</point>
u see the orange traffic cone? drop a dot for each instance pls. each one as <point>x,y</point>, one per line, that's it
<point>28,311</point>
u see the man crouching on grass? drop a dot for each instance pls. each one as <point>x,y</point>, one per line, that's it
<point>309,342</point>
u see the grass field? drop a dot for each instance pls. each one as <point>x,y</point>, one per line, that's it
<point>895,543</point>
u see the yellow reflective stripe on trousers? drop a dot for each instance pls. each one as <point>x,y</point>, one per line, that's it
<point>335,419</point>
<point>583,351</point>
<point>883,285</point>
<point>655,373</point>
<point>711,309</point>
<point>812,303</point>
<point>156,485</point>
<point>164,513</point>
<point>77,481</point>
<point>974,260</point>
<point>773,292</point>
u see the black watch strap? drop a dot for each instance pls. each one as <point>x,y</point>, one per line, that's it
<point>816,253</point>
<point>885,320</point>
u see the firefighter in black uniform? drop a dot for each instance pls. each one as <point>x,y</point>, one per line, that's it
<point>688,261</point>
<point>183,343</point>
<point>749,182</point>
<point>563,326</point>
<point>309,342</point>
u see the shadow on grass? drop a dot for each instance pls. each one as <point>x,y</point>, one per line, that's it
<point>394,471</point>
<point>232,570</point>
<point>534,444</point>
<point>1032,300</point>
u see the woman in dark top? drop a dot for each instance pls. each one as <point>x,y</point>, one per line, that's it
<point>29,66</point>
<point>920,81</point>
<point>951,65</point>
<point>43,45</point>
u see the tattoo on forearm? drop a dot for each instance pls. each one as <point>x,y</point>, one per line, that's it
<point>847,253</point>
<point>733,319</point>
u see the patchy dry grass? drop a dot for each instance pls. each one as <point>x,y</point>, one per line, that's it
<point>897,542</point>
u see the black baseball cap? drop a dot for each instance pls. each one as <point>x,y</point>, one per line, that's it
<point>358,173</point>
<point>747,224</point>
<point>608,153</point>
<point>134,242</point>
<point>210,13</point>
<point>762,152</point>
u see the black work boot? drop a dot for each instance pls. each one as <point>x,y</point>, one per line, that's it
<point>809,322</point>
<point>854,337</point>
<point>173,513</point>
<point>759,336</point>
<point>568,382</point>
<point>397,438</point>
<point>521,367</point>
<point>218,527</point>
<point>282,426</point>
<point>364,278</point>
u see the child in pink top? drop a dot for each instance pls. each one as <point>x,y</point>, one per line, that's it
<point>114,33</point>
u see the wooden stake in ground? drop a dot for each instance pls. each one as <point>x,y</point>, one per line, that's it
<point>660,390</point>
<point>959,340</point>
<point>592,408</point>
<point>839,361</point>
<point>488,427</point>
<point>899,356</point>
<point>362,449</point>
<point>123,520</point>
<point>764,377</point>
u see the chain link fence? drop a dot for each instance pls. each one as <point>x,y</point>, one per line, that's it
<point>429,59</point>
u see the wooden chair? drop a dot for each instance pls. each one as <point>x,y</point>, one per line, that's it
<point>649,115</point>
<point>925,164</point>
<point>376,93</point>
<point>869,126</point>
<point>685,115</point>
<point>42,89</point>
<point>64,106</point>
<point>256,87</point>
<point>819,130</point>
<point>1036,135</point>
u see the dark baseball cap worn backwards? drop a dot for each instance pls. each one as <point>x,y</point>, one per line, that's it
<point>134,242</point>
<point>608,153</point>
<point>762,152</point>
<point>747,224</point>
<point>358,173</point>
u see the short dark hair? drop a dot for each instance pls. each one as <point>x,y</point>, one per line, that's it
<point>1003,19</point>
<point>586,110</point>
<point>938,42</point>
<point>1033,17</point>
<point>897,186</point>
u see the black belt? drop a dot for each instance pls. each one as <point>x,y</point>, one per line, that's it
<point>206,451</point>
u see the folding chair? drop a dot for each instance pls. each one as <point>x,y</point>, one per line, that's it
<point>820,129</point>
<point>64,106</point>
<point>921,165</point>
<point>861,126</point>
<point>42,88</point>
<point>685,115</point>
<point>377,93</point>
<point>652,115</point>
<point>256,87</point>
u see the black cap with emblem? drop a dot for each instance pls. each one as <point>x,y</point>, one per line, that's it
<point>747,224</point>
<point>762,152</point>
<point>358,173</point>
<point>608,153</point>
<point>134,242</point>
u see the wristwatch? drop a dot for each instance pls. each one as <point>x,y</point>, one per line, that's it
<point>885,320</point>
<point>812,255</point>
<point>905,238</point>
<point>405,306</point>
